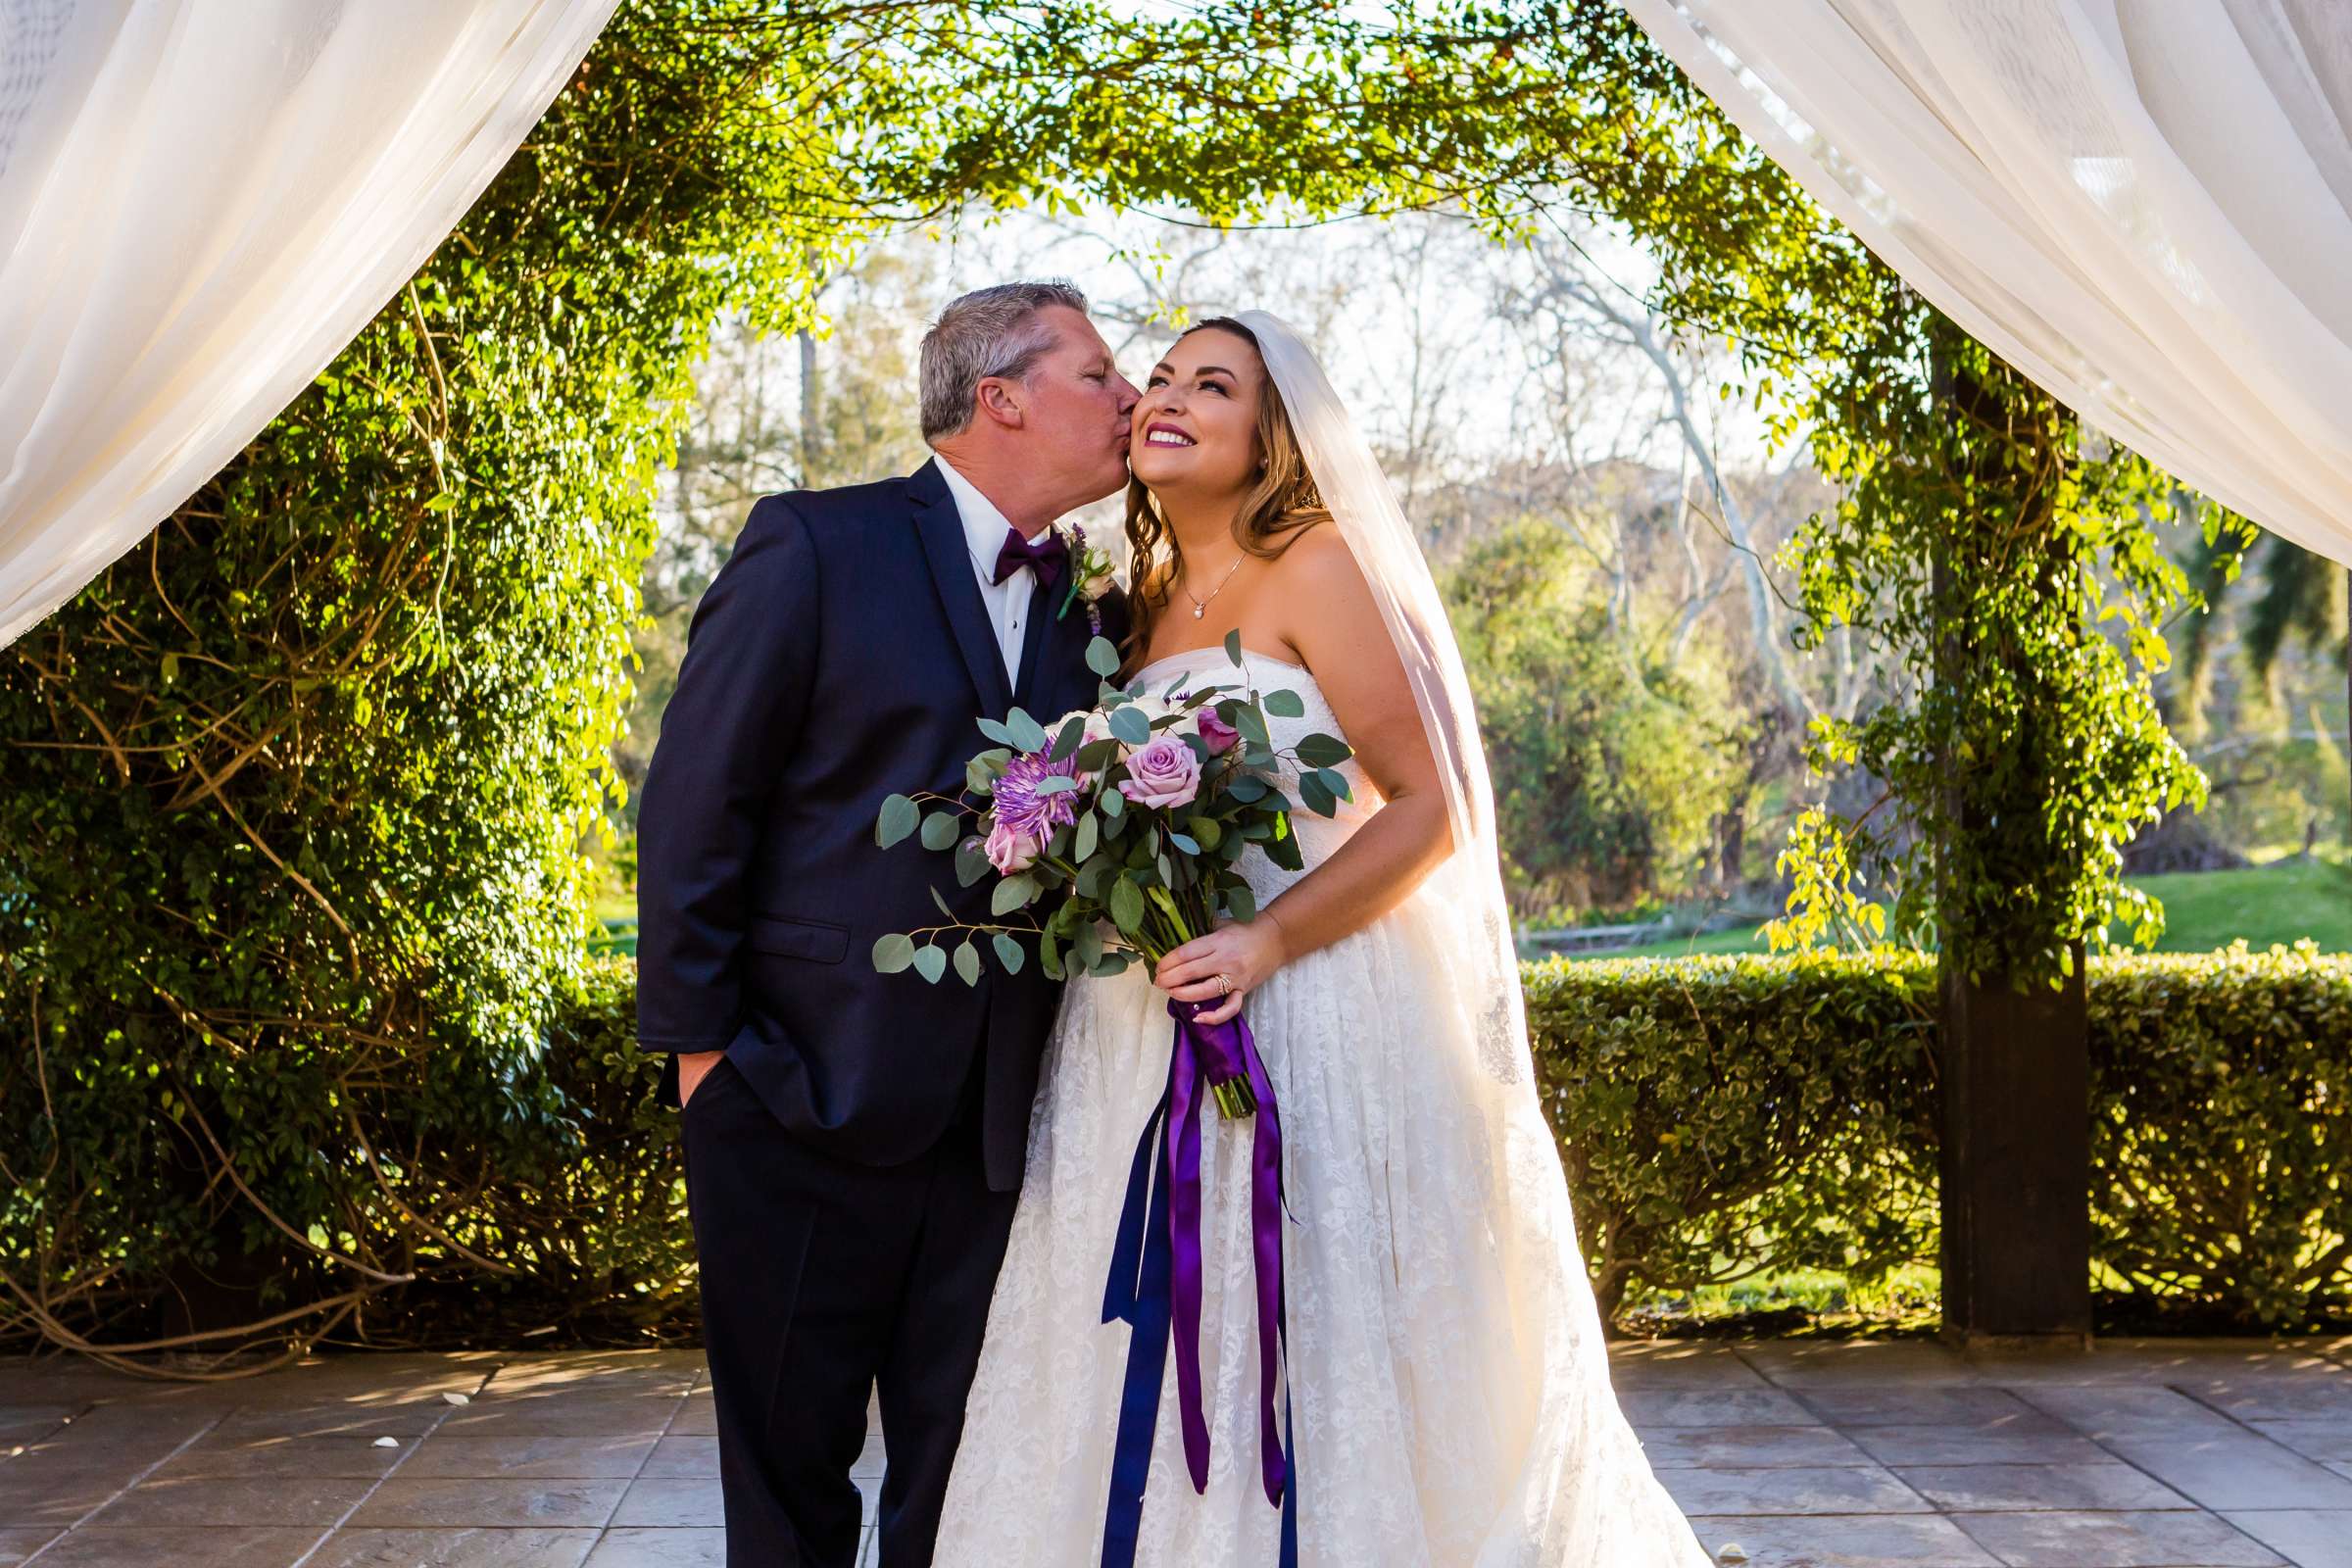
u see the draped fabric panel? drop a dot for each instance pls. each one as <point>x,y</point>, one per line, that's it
<point>2144,205</point>
<point>201,202</point>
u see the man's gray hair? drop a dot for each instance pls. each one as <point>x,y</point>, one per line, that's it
<point>990,332</point>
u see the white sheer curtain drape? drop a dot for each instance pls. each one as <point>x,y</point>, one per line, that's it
<point>201,202</point>
<point>2144,205</point>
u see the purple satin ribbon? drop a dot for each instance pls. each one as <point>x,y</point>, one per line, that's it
<point>1206,1053</point>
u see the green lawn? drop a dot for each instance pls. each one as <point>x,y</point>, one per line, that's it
<point>2283,903</point>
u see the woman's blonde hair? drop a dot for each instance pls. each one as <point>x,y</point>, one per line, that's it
<point>1280,505</point>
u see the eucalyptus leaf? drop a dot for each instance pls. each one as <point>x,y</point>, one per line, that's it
<point>1103,657</point>
<point>1086,946</point>
<point>1324,750</point>
<point>972,862</point>
<point>1130,725</point>
<point>967,962</point>
<point>1206,831</point>
<point>1026,733</point>
<point>941,830</point>
<point>1087,835</point>
<point>893,953</point>
<point>1285,704</point>
<point>995,731</point>
<point>1233,646</point>
<point>899,816</point>
<point>1057,784</point>
<point>1317,796</point>
<point>1011,894</point>
<point>930,963</point>
<point>1068,741</point>
<point>943,905</point>
<point>1126,905</point>
<point>1108,965</point>
<point>1241,903</point>
<point>1283,851</point>
<point>1336,782</point>
<point>1010,953</point>
<point>1048,954</point>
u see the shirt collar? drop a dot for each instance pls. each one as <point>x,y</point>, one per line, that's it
<point>984,526</point>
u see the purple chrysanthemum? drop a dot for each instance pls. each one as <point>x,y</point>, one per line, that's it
<point>1020,808</point>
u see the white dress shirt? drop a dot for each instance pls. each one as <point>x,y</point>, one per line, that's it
<point>984,531</point>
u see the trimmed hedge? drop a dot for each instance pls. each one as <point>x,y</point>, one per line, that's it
<point>2221,1129</point>
<point>1722,1117</point>
<point>1718,1117</point>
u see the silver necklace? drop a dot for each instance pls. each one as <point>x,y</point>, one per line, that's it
<point>1201,605</point>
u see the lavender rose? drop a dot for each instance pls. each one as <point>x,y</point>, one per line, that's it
<point>1010,851</point>
<point>1219,735</point>
<point>1163,773</point>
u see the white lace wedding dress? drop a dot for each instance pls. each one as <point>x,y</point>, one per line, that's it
<point>1450,1397</point>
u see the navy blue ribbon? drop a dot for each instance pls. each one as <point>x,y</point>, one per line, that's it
<point>1140,1294</point>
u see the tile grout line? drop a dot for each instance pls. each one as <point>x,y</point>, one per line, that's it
<point>2126,1459</point>
<point>194,1437</point>
<point>1934,1509</point>
<point>392,1469</point>
<point>2255,1432</point>
<point>605,1530</point>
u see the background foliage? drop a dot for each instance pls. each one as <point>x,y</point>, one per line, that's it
<point>292,800</point>
<point>1609,769</point>
<point>291,794</point>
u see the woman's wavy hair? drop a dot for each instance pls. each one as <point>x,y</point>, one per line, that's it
<point>1283,503</point>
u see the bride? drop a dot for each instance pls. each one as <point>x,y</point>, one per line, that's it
<point>1446,1384</point>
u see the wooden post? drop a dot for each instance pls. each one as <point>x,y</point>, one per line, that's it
<point>2015,1163</point>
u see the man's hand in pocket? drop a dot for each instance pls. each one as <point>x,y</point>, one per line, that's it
<point>693,1067</point>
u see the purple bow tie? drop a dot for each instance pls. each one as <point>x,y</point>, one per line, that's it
<point>1047,557</point>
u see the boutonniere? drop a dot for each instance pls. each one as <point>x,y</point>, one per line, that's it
<point>1092,576</point>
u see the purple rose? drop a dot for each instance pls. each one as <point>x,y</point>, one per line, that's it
<point>1010,850</point>
<point>1219,735</point>
<point>1022,809</point>
<point>1163,773</point>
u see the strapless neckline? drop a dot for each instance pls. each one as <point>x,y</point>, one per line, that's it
<point>1173,659</point>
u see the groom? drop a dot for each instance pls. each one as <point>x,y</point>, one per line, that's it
<point>853,1140</point>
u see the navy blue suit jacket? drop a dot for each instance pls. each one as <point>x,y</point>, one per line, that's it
<point>842,654</point>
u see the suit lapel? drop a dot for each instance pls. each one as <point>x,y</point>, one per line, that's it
<point>941,529</point>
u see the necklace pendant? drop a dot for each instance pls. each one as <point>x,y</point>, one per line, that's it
<point>1199,611</point>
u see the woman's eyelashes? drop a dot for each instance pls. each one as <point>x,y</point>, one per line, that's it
<point>1217,387</point>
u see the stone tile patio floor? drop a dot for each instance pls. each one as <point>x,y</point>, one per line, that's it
<point>2140,1454</point>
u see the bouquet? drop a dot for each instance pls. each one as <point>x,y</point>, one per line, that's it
<point>1114,833</point>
